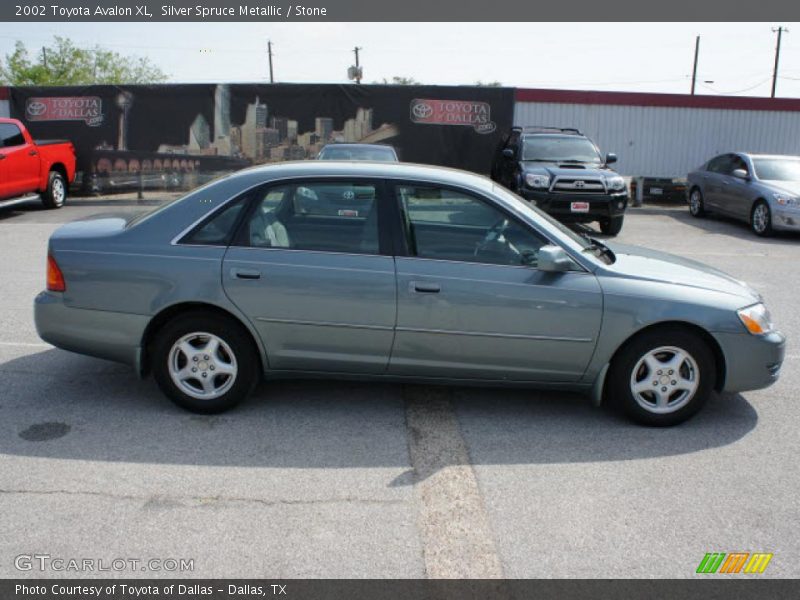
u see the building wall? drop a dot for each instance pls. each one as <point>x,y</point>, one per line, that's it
<point>666,135</point>
<point>5,109</point>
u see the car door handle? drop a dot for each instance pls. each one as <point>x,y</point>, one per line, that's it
<point>422,287</point>
<point>32,153</point>
<point>246,274</point>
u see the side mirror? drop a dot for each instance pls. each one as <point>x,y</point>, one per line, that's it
<point>741,174</point>
<point>611,158</point>
<point>554,259</point>
<point>508,153</point>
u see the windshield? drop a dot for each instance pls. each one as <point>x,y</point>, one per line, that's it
<point>777,169</point>
<point>356,153</point>
<point>558,148</point>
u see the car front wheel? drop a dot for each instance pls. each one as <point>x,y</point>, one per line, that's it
<point>662,377</point>
<point>761,219</point>
<point>205,363</point>
<point>696,207</point>
<point>611,226</point>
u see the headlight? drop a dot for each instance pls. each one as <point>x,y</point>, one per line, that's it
<point>615,184</point>
<point>786,199</point>
<point>537,181</point>
<point>756,319</point>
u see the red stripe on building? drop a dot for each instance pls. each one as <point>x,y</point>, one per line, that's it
<point>664,100</point>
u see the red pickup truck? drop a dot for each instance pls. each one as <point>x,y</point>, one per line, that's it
<point>31,169</point>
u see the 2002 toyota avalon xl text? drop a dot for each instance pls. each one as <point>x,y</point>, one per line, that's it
<point>405,272</point>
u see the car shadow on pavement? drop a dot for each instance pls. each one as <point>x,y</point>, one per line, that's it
<point>61,405</point>
<point>719,224</point>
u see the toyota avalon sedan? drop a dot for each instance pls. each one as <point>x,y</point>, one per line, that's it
<point>398,272</point>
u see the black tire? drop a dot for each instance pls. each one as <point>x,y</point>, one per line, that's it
<point>761,226</point>
<point>238,342</point>
<point>56,193</point>
<point>612,226</point>
<point>621,377</point>
<point>697,207</point>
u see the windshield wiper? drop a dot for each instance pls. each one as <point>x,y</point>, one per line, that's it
<point>597,246</point>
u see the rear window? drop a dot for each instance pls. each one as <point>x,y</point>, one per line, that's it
<point>358,153</point>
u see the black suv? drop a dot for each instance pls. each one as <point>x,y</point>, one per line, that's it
<point>563,173</point>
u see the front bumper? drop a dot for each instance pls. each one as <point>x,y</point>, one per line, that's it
<point>785,219</point>
<point>103,334</point>
<point>752,362</point>
<point>559,205</point>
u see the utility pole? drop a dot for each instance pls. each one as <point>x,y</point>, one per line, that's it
<point>696,55</point>
<point>44,57</point>
<point>358,72</point>
<point>779,30</point>
<point>269,53</point>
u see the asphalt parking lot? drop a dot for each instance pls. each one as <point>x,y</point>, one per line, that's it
<point>342,479</point>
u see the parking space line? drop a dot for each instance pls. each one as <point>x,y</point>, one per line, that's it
<point>26,344</point>
<point>456,536</point>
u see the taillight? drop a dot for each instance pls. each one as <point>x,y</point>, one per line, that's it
<point>55,278</point>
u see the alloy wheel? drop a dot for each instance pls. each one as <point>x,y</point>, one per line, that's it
<point>202,365</point>
<point>665,379</point>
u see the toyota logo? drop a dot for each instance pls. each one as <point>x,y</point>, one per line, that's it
<point>36,108</point>
<point>579,184</point>
<point>422,110</point>
<point>349,195</point>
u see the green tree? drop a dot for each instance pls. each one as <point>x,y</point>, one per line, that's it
<point>399,81</point>
<point>64,63</point>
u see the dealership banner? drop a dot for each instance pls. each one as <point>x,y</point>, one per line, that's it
<point>179,136</point>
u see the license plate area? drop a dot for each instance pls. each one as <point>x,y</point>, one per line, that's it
<point>579,207</point>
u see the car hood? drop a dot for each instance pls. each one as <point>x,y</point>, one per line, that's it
<point>793,187</point>
<point>645,264</point>
<point>566,170</point>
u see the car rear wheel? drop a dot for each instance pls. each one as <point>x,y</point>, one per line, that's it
<point>611,226</point>
<point>761,219</point>
<point>204,363</point>
<point>661,377</point>
<point>696,206</point>
<point>56,193</point>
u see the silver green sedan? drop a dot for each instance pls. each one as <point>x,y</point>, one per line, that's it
<point>399,272</point>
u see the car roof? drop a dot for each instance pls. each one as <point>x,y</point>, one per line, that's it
<point>759,155</point>
<point>367,169</point>
<point>348,145</point>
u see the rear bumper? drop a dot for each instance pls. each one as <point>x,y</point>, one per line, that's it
<point>104,334</point>
<point>752,362</point>
<point>601,206</point>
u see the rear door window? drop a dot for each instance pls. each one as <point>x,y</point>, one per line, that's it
<point>336,216</point>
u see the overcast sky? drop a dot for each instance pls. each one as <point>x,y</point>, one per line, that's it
<point>648,57</point>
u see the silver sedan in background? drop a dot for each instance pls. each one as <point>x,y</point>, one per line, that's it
<point>762,190</point>
<point>401,272</point>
